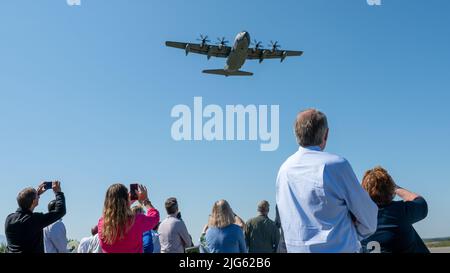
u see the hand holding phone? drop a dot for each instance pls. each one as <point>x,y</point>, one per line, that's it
<point>48,185</point>
<point>143,193</point>
<point>134,189</point>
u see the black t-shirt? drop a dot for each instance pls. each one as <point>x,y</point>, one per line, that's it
<point>395,232</point>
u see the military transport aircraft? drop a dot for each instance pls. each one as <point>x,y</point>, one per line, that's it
<point>236,55</point>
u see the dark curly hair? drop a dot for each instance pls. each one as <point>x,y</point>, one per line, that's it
<point>380,186</point>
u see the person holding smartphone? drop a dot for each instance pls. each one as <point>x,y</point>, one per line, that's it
<point>119,229</point>
<point>24,228</point>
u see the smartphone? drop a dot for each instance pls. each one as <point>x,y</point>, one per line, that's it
<point>133,189</point>
<point>48,185</point>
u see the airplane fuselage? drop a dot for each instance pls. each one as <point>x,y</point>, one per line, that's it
<point>239,52</point>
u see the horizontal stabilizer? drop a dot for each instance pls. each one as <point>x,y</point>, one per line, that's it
<point>227,73</point>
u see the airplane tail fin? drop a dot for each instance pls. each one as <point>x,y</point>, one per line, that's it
<point>227,73</point>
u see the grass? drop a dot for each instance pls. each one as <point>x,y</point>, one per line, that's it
<point>437,242</point>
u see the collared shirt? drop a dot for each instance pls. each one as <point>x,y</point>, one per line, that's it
<point>261,235</point>
<point>24,229</point>
<point>55,240</point>
<point>322,206</point>
<point>173,235</point>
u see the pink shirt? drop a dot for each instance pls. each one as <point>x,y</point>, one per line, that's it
<point>132,241</point>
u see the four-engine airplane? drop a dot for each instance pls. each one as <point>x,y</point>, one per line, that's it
<point>237,54</point>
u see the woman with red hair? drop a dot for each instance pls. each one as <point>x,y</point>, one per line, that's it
<point>395,232</point>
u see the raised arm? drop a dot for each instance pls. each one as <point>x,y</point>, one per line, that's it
<point>151,219</point>
<point>405,194</point>
<point>60,207</point>
<point>416,208</point>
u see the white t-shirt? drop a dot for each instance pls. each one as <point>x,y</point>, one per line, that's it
<point>90,245</point>
<point>84,245</point>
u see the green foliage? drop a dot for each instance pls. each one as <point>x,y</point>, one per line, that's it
<point>2,248</point>
<point>192,250</point>
<point>72,245</point>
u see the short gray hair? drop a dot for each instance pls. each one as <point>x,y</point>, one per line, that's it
<point>310,127</point>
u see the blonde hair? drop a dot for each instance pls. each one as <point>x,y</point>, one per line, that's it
<point>222,215</point>
<point>117,215</point>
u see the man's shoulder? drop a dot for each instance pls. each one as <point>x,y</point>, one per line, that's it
<point>56,226</point>
<point>332,159</point>
<point>333,162</point>
<point>11,216</point>
<point>20,216</point>
<point>253,220</point>
<point>86,240</point>
<point>291,160</point>
<point>169,222</point>
<point>319,157</point>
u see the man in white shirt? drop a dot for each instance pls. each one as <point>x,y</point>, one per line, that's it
<point>55,239</point>
<point>322,206</point>
<point>90,244</point>
<point>173,234</point>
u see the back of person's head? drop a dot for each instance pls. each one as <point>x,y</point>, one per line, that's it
<point>117,214</point>
<point>52,205</point>
<point>311,128</point>
<point>26,197</point>
<point>264,207</point>
<point>137,210</point>
<point>94,230</point>
<point>380,186</point>
<point>222,215</point>
<point>171,205</point>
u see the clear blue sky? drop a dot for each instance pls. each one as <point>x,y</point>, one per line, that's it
<point>86,94</point>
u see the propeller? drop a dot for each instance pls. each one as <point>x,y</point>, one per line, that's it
<point>274,45</point>
<point>222,41</point>
<point>203,39</point>
<point>257,44</point>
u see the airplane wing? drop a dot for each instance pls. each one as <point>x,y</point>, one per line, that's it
<point>208,50</point>
<point>261,54</point>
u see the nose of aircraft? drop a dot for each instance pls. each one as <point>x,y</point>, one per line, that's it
<point>247,35</point>
<point>244,35</point>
